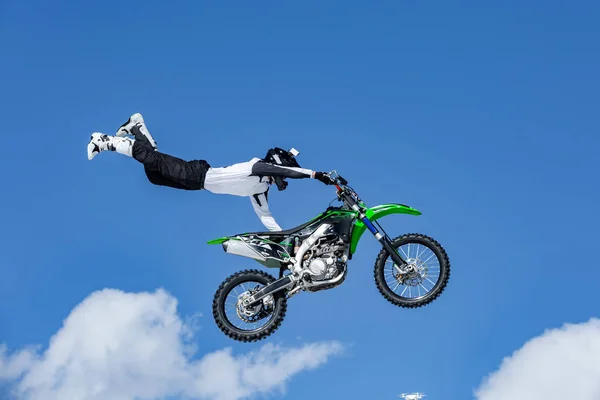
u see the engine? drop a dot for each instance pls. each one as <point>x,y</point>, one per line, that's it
<point>326,259</point>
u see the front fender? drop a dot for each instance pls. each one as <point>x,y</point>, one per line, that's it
<point>373,214</point>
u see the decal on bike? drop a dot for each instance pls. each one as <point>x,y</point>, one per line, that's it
<point>267,249</point>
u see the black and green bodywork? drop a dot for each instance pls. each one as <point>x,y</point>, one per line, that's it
<point>347,225</point>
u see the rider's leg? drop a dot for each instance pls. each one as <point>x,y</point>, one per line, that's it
<point>136,127</point>
<point>166,170</point>
<point>160,168</point>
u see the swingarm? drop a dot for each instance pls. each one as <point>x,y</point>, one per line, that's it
<point>280,284</point>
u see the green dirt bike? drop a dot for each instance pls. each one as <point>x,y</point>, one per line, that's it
<point>313,257</point>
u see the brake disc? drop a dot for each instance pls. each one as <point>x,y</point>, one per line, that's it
<point>255,313</point>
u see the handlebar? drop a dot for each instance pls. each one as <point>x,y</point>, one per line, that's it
<point>342,187</point>
<point>337,178</point>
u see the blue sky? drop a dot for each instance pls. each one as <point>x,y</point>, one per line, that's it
<point>484,117</point>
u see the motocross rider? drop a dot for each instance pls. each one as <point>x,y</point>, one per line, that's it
<point>249,179</point>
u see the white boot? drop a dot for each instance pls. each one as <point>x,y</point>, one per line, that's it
<point>133,124</point>
<point>101,142</point>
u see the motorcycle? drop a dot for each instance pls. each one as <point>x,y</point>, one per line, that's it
<point>314,257</point>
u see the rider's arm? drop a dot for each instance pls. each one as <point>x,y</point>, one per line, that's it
<point>262,168</point>
<point>261,208</point>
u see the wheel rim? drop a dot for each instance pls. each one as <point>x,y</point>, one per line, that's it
<point>424,277</point>
<point>240,317</point>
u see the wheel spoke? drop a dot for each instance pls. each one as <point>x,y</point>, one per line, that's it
<point>433,283</point>
<point>407,256</point>
<point>432,254</point>
<point>424,250</point>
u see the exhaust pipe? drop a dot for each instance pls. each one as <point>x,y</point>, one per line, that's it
<point>239,248</point>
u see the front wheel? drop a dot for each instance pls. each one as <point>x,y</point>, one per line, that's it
<point>243,323</point>
<point>427,277</point>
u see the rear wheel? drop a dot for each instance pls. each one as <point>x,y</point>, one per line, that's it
<point>242,323</point>
<point>429,271</point>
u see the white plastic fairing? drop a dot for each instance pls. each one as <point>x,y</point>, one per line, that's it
<point>294,152</point>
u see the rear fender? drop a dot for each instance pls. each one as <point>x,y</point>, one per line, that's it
<point>221,240</point>
<point>375,213</point>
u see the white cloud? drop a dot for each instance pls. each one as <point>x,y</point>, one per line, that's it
<point>12,366</point>
<point>124,346</point>
<point>559,364</point>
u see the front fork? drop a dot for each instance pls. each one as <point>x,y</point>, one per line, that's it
<point>383,239</point>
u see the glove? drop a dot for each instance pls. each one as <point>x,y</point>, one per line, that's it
<point>323,178</point>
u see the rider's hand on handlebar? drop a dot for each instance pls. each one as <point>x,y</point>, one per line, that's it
<point>323,177</point>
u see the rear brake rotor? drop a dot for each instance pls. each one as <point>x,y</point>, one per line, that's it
<point>255,313</point>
